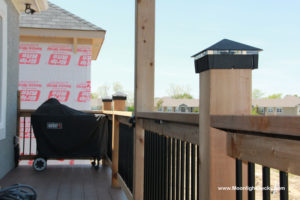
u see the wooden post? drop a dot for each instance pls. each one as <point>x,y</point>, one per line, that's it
<point>144,84</point>
<point>106,103</point>
<point>222,91</point>
<point>119,105</point>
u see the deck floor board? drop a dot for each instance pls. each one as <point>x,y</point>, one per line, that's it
<point>64,182</point>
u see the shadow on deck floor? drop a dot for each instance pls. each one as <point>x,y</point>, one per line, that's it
<point>66,182</point>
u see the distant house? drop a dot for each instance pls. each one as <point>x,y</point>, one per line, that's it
<point>168,104</point>
<point>9,69</point>
<point>56,49</point>
<point>289,105</point>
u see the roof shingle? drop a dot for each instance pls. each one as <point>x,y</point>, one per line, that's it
<point>56,18</point>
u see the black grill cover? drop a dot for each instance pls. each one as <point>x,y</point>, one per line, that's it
<point>62,132</point>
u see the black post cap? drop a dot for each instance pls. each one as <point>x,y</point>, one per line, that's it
<point>119,96</point>
<point>227,54</point>
<point>106,99</point>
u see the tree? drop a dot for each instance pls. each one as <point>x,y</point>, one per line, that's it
<point>254,110</point>
<point>275,96</point>
<point>257,94</point>
<point>117,87</point>
<point>179,92</point>
<point>94,95</point>
<point>159,103</point>
<point>103,91</point>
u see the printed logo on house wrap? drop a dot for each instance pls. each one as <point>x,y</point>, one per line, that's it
<point>59,59</point>
<point>30,90</point>
<point>60,90</point>
<point>29,58</point>
<point>85,93</point>
<point>84,61</point>
<point>59,70</point>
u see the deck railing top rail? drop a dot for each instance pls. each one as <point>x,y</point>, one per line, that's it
<point>184,118</point>
<point>287,127</point>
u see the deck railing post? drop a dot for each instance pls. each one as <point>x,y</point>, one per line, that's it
<point>144,84</point>
<point>222,91</point>
<point>119,104</point>
<point>225,89</point>
<point>106,103</point>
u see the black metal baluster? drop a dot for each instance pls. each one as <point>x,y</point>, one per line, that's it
<point>239,183</point>
<point>284,183</point>
<point>174,170</point>
<point>193,169</point>
<point>155,166</point>
<point>266,183</point>
<point>198,175</point>
<point>145,167</point>
<point>163,161</point>
<point>151,176</point>
<point>169,168</point>
<point>251,181</point>
<point>159,166</point>
<point>24,123</point>
<point>30,136</point>
<point>187,172</point>
<point>182,169</point>
<point>178,174</point>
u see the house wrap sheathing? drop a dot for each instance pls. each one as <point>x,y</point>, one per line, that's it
<point>55,53</point>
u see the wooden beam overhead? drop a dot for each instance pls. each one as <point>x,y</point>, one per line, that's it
<point>75,42</point>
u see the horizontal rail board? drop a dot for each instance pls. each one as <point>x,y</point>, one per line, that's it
<point>119,113</point>
<point>125,120</point>
<point>184,118</point>
<point>287,127</point>
<point>184,132</point>
<point>281,154</point>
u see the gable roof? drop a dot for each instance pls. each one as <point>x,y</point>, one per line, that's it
<point>56,18</point>
<point>226,44</point>
<point>287,101</point>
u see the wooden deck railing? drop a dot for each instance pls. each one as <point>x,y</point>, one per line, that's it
<point>171,150</point>
<point>170,154</point>
<point>270,141</point>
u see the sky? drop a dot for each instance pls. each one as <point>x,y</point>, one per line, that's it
<point>184,28</point>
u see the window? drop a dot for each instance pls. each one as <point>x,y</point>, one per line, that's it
<point>3,66</point>
<point>279,110</point>
<point>169,109</point>
<point>261,110</point>
<point>182,109</point>
<point>270,110</point>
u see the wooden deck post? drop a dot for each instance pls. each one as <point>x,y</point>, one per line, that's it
<point>225,89</point>
<point>106,103</point>
<point>119,100</point>
<point>144,84</point>
<point>222,91</point>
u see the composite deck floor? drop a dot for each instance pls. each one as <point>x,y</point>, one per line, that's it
<point>66,182</point>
